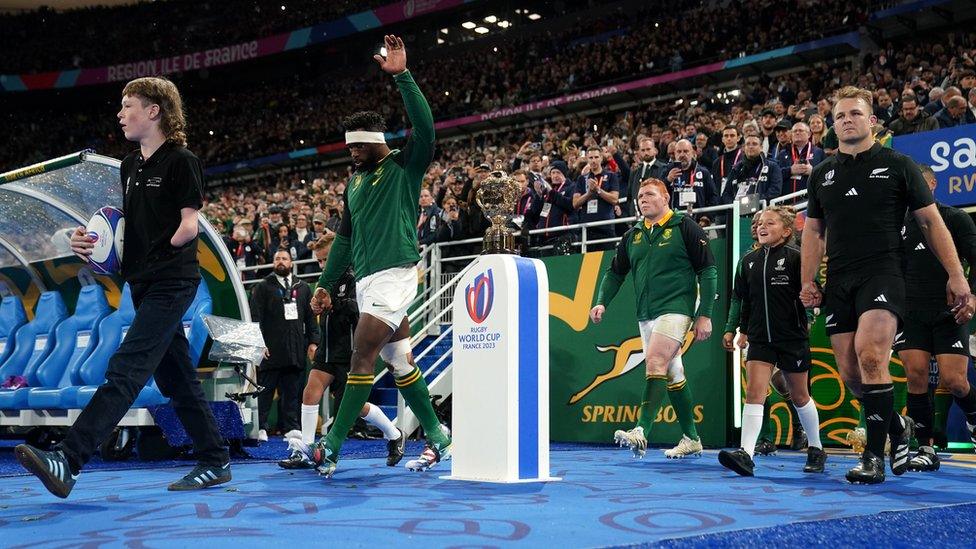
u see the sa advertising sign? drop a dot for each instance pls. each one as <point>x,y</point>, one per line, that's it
<point>952,155</point>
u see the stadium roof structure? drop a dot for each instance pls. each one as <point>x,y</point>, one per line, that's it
<point>41,204</point>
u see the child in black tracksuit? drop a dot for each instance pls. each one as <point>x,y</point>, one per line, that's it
<point>773,323</point>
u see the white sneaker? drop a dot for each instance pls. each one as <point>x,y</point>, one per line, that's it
<point>685,447</point>
<point>429,458</point>
<point>294,433</point>
<point>262,436</point>
<point>633,439</point>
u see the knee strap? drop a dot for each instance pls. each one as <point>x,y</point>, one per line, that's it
<point>676,370</point>
<point>396,354</point>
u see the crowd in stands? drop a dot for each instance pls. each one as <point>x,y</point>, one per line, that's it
<point>305,110</point>
<point>176,27</point>
<point>584,168</point>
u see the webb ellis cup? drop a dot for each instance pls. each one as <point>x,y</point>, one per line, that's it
<point>497,198</point>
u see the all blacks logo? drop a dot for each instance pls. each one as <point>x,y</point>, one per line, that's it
<point>828,178</point>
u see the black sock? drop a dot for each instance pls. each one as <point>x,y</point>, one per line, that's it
<point>920,410</point>
<point>795,418</point>
<point>968,405</point>
<point>878,402</point>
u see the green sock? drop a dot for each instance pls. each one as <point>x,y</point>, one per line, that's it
<point>940,415</point>
<point>414,390</point>
<point>357,392</point>
<point>764,433</point>
<point>680,395</point>
<point>654,391</point>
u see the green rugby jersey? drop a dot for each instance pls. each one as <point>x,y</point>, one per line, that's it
<point>379,225</point>
<point>667,262</point>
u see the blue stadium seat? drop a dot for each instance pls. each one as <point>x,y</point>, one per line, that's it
<point>75,339</point>
<point>32,343</point>
<point>91,373</point>
<point>193,326</point>
<point>111,332</point>
<point>12,316</point>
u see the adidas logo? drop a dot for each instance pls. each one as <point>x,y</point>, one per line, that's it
<point>881,298</point>
<point>957,345</point>
<point>852,192</point>
<point>874,417</point>
<point>920,246</point>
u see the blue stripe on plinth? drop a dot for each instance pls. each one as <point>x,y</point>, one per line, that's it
<point>528,365</point>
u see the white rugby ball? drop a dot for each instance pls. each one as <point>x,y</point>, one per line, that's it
<point>106,228</point>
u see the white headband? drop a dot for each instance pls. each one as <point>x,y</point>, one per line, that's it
<point>365,137</point>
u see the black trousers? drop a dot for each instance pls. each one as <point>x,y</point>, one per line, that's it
<point>288,382</point>
<point>154,346</point>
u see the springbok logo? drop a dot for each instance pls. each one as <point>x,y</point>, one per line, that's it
<point>626,356</point>
<point>479,295</point>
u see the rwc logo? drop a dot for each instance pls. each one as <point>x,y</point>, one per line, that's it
<point>479,295</point>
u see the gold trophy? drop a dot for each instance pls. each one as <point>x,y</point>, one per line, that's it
<point>497,198</point>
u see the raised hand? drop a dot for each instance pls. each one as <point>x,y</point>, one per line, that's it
<point>396,56</point>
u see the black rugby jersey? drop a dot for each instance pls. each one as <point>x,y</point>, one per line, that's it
<point>862,200</point>
<point>925,278</point>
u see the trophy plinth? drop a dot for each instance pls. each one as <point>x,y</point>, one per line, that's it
<point>497,198</point>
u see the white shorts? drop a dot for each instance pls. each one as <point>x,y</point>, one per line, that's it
<point>670,325</point>
<point>387,294</point>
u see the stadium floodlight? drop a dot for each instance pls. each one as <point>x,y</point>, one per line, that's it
<point>301,141</point>
<point>282,7</point>
<point>468,25</point>
<point>535,16</point>
<point>440,41</point>
<point>495,49</point>
<point>491,19</point>
<point>211,132</point>
<point>444,31</point>
<point>481,30</point>
<point>504,24</point>
<point>734,93</point>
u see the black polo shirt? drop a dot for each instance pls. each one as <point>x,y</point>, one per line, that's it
<point>154,190</point>
<point>863,201</point>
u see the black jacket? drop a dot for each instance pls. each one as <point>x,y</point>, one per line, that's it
<point>768,283</point>
<point>287,340</point>
<point>339,324</point>
<point>767,179</point>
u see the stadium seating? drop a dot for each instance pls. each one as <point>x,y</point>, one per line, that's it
<point>76,338</point>
<point>12,316</point>
<point>32,343</point>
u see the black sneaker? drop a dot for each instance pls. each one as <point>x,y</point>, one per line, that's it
<point>202,476</point>
<point>900,447</point>
<point>395,449</point>
<point>816,458</point>
<point>924,460</point>
<point>51,467</point>
<point>869,470</point>
<point>738,461</point>
<point>765,447</point>
<point>799,439</point>
<point>941,441</point>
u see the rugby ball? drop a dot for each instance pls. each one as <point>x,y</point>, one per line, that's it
<point>106,229</point>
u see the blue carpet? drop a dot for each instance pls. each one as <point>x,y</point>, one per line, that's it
<point>605,499</point>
